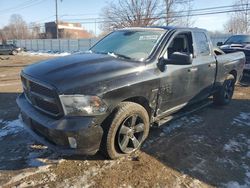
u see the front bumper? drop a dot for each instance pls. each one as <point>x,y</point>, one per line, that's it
<point>55,133</point>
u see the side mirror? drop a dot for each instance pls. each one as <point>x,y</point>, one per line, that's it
<point>176,58</point>
<point>219,43</point>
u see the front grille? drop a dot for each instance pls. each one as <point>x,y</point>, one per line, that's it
<point>41,97</point>
<point>41,90</point>
<point>52,107</point>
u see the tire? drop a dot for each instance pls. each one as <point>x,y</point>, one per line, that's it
<point>224,95</point>
<point>14,52</point>
<point>126,130</point>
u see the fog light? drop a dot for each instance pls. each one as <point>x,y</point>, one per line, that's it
<point>72,142</point>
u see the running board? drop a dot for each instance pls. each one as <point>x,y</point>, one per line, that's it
<point>183,112</point>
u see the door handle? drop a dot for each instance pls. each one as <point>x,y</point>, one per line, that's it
<point>193,69</point>
<point>212,65</point>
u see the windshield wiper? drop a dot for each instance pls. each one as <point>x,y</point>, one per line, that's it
<point>98,52</point>
<point>113,54</point>
<point>118,55</point>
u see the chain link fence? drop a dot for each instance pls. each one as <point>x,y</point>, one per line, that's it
<point>73,45</point>
<point>55,45</point>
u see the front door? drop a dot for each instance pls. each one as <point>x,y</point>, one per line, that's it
<point>176,79</point>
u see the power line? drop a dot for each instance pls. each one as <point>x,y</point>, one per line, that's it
<point>160,17</point>
<point>182,11</point>
<point>57,34</point>
<point>195,12</point>
<point>102,20</point>
<point>33,3</point>
<point>18,6</point>
<point>220,7</point>
<point>175,12</point>
<point>43,19</point>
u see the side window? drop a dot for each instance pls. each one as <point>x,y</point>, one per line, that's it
<point>202,44</point>
<point>182,43</point>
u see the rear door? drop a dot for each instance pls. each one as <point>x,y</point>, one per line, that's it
<point>204,66</point>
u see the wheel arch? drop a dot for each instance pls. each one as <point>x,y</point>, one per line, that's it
<point>141,101</point>
<point>234,73</point>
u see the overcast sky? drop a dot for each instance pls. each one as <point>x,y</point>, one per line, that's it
<point>44,10</point>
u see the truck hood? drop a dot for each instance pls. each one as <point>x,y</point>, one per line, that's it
<point>235,46</point>
<point>71,74</point>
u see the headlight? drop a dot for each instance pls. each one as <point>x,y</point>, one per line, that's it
<point>78,105</point>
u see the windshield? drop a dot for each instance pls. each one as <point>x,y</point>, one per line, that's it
<point>129,44</point>
<point>238,39</point>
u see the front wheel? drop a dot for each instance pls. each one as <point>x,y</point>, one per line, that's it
<point>128,129</point>
<point>224,95</point>
<point>14,52</point>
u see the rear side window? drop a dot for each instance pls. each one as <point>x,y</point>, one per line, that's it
<point>202,44</point>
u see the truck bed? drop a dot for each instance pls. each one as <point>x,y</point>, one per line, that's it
<point>227,62</point>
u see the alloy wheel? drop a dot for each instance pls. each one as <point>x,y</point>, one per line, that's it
<point>130,135</point>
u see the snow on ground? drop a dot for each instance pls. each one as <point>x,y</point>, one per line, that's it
<point>33,159</point>
<point>168,128</point>
<point>232,146</point>
<point>243,119</point>
<point>248,154</point>
<point>10,127</point>
<point>45,53</point>
<point>234,184</point>
<point>239,144</point>
<point>184,121</point>
<point>38,158</point>
<point>21,176</point>
<point>86,180</point>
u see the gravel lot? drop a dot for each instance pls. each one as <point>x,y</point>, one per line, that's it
<point>208,148</point>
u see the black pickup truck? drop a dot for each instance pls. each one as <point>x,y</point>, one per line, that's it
<point>238,43</point>
<point>107,98</point>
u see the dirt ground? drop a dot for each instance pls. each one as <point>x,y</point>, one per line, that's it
<point>209,148</point>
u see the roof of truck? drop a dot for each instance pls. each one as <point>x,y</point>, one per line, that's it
<point>165,28</point>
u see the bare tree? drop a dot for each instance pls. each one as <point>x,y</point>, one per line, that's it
<point>187,19</point>
<point>2,38</point>
<point>129,13</point>
<point>35,30</point>
<point>239,20</point>
<point>178,12</point>
<point>16,29</point>
<point>169,11</point>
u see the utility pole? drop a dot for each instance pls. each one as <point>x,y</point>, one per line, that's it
<point>246,18</point>
<point>95,27</point>
<point>57,34</point>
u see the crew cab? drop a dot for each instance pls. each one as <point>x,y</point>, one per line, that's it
<point>108,97</point>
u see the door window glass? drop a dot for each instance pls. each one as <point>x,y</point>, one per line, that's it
<point>202,44</point>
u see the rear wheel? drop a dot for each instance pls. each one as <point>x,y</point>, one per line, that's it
<point>128,129</point>
<point>225,93</point>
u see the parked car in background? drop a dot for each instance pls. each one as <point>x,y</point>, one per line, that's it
<point>107,99</point>
<point>9,49</point>
<point>238,43</point>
